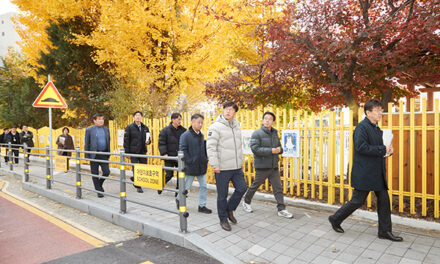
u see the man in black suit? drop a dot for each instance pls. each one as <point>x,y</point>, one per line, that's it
<point>14,138</point>
<point>98,139</point>
<point>3,140</point>
<point>368,172</point>
<point>136,137</point>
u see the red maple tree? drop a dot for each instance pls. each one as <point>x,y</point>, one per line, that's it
<point>343,52</point>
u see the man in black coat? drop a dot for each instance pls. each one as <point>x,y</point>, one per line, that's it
<point>14,138</point>
<point>169,143</point>
<point>3,140</point>
<point>368,172</point>
<point>193,145</point>
<point>136,137</point>
<point>27,137</point>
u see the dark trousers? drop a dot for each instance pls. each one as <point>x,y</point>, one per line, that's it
<point>169,173</point>
<point>260,177</point>
<point>137,160</point>
<point>358,199</point>
<point>94,168</point>
<point>222,180</point>
<point>15,153</point>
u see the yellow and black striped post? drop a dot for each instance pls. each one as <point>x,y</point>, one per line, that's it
<point>78,174</point>
<point>181,197</point>
<point>26,162</point>
<point>48,174</point>
<point>123,187</point>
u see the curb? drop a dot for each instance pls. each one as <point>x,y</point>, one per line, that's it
<point>133,222</point>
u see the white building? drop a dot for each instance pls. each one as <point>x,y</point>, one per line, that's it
<point>8,35</point>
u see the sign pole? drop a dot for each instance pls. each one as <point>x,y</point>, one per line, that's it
<point>50,137</point>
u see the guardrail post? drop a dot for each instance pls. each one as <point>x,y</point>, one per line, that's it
<point>11,167</point>
<point>78,174</point>
<point>123,187</point>
<point>48,178</point>
<point>183,214</point>
<point>26,162</point>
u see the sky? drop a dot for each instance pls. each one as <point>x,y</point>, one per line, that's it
<point>6,6</point>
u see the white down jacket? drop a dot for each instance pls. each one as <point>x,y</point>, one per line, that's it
<point>223,144</point>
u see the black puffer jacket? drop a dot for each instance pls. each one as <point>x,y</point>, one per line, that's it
<point>262,142</point>
<point>169,140</point>
<point>193,146</point>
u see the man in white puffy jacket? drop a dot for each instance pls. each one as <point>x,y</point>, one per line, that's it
<point>225,155</point>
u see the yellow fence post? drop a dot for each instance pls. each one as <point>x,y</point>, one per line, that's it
<point>321,154</point>
<point>390,158</point>
<point>401,152</point>
<point>312,156</point>
<point>412,160</point>
<point>424,157</point>
<point>306,154</point>
<point>341,158</point>
<point>436,158</point>
<point>350,154</point>
<point>331,159</point>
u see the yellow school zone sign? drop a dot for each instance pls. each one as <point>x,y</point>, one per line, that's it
<point>50,97</point>
<point>149,176</point>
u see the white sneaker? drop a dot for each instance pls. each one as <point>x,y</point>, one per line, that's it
<point>247,207</point>
<point>285,213</point>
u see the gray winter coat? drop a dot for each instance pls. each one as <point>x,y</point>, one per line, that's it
<point>224,144</point>
<point>262,142</point>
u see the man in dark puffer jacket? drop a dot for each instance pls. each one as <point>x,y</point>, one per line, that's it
<point>266,146</point>
<point>169,143</point>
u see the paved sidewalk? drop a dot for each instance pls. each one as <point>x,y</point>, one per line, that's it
<point>264,237</point>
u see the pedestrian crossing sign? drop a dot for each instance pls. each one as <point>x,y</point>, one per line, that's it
<point>50,97</point>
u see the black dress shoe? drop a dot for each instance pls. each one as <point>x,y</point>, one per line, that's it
<point>231,217</point>
<point>336,227</point>
<point>100,195</point>
<point>159,192</point>
<point>204,209</point>
<point>388,235</point>
<point>139,190</point>
<point>225,225</point>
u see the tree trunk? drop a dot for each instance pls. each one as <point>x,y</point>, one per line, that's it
<point>387,95</point>
<point>352,104</point>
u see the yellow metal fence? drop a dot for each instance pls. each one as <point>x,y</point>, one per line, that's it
<point>322,170</point>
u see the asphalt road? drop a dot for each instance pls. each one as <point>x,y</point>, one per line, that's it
<point>140,250</point>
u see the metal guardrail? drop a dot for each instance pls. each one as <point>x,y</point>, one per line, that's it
<point>76,155</point>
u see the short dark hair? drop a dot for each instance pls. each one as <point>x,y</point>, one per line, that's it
<point>372,104</point>
<point>195,116</point>
<point>14,126</point>
<point>95,116</point>
<point>230,103</point>
<point>138,112</point>
<point>269,113</point>
<point>64,128</point>
<point>6,128</point>
<point>175,115</point>
<point>23,126</point>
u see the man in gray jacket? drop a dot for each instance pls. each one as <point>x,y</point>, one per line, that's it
<point>225,155</point>
<point>266,146</point>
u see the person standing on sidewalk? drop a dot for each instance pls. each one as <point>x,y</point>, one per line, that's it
<point>369,172</point>
<point>193,145</point>
<point>225,155</point>
<point>266,146</point>
<point>27,137</point>
<point>97,139</point>
<point>14,138</point>
<point>136,139</point>
<point>3,139</point>
<point>65,141</point>
<point>169,144</point>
